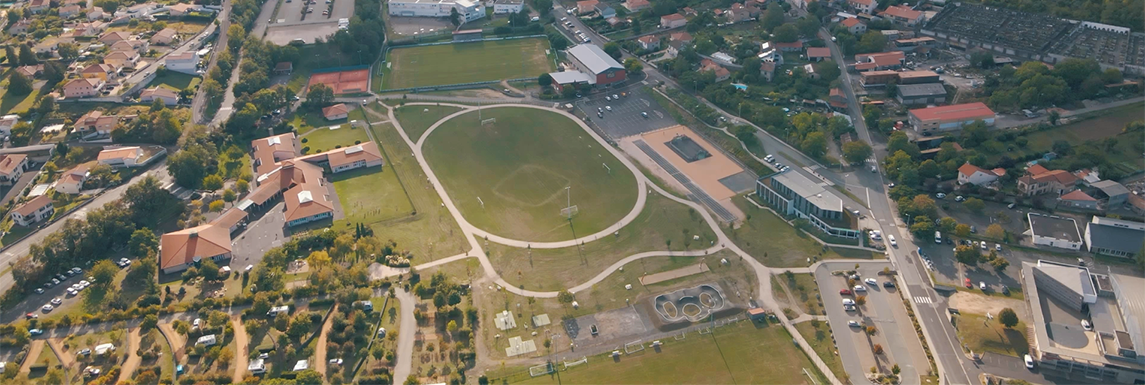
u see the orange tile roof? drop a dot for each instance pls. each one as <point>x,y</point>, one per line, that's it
<point>969,169</point>
<point>672,17</point>
<point>119,153</point>
<point>229,218</point>
<point>204,241</point>
<point>31,206</point>
<point>367,152</point>
<point>903,12</point>
<point>1036,169</point>
<point>957,112</point>
<point>1077,195</point>
<point>850,22</point>
<point>337,109</point>
<point>9,163</point>
<point>306,200</point>
<point>814,52</point>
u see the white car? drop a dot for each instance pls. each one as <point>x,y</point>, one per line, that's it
<point>859,288</point>
<point>57,301</point>
<point>871,281</point>
<point>195,324</point>
<point>998,246</point>
<point>853,324</point>
<point>984,247</point>
<point>892,239</point>
<point>848,301</point>
<point>940,195</point>
<point>982,285</point>
<point>47,308</point>
<point>608,108</point>
<point>1029,361</point>
<point>608,98</point>
<point>1086,325</point>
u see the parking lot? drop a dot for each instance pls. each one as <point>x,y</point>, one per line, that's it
<point>884,310</point>
<point>283,28</point>
<point>625,117</point>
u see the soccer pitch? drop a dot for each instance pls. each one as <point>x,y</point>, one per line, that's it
<point>509,177</point>
<point>467,62</point>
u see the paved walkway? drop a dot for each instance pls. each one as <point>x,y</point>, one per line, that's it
<point>405,335</point>
<point>763,273</point>
<point>242,347</point>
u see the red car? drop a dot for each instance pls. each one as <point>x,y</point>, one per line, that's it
<point>968,284</point>
<point>31,316</point>
<point>845,292</point>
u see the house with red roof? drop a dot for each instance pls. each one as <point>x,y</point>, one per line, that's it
<point>1078,199</point>
<point>854,25</point>
<point>863,6</point>
<point>672,21</point>
<point>795,46</point>
<point>948,118</point>
<point>818,53</point>
<point>971,174</point>
<point>1039,180</point>
<point>902,15</point>
<point>649,42</point>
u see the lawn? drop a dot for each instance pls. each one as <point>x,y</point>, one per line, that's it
<point>805,291</point>
<point>772,241</point>
<point>818,335</point>
<point>741,353</point>
<point>416,119</point>
<point>431,233</point>
<point>467,62</point>
<point>370,195</point>
<point>12,104</point>
<point>176,81</point>
<point>328,138</point>
<point>1104,124</point>
<point>982,335</point>
<point>557,269</point>
<point>530,159</point>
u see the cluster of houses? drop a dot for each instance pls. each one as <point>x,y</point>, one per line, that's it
<point>1080,190</point>
<point>283,174</point>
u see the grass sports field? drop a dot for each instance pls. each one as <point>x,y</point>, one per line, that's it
<point>519,168</point>
<point>740,353</point>
<point>467,62</point>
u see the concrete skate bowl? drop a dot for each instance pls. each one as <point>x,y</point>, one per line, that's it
<point>689,305</point>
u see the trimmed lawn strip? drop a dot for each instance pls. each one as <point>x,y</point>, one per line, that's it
<point>805,290</point>
<point>819,337</point>
<point>416,119</point>
<point>370,195</point>
<point>176,81</point>
<point>661,222</point>
<point>484,61</point>
<point>773,242</point>
<point>982,335</point>
<point>529,160</point>
<point>431,233</point>
<point>325,139</point>
<point>738,353</point>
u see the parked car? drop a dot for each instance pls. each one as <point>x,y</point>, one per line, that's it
<point>998,246</point>
<point>859,289</point>
<point>889,284</point>
<point>56,301</point>
<point>845,292</point>
<point>1086,325</point>
<point>644,114</point>
<point>39,290</point>
<point>940,195</point>
<point>36,332</point>
<point>959,198</point>
<point>871,281</point>
<point>891,238</point>
<point>982,285</point>
<point>47,307</point>
<point>1029,361</point>
<point>968,284</point>
<point>31,316</point>
<point>984,245</point>
<point>848,301</point>
<point>853,324</point>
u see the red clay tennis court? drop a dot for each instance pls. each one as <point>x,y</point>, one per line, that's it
<point>343,82</point>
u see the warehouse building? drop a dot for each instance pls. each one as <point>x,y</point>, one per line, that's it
<point>948,118</point>
<point>603,70</point>
<point>469,10</point>
<point>915,94</point>
<point>1114,237</point>
<point>1054,231</point>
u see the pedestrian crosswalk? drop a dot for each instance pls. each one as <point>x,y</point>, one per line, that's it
<point>922,300</point>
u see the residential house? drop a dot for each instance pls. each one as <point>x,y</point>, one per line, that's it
<point>182,9</point>
<point>139,10</point>
<point>283,68</point>
<point>863,6</point>
<point>95,14</point>
<point>879,61</point>
<point>604,10</point>
<point>818,53</point>
<point>31,71</point>
<point>649,42</point>
<point>130,45</point>
<point>586,6</point>
<point>616,22</point>
<point>674,47</point>
<point>795,46</point>
<point>738,13</point>
<point>767,70</point>
<point>768,52</point>
<point>71,182</point>
<point>1087,176</point>
<point>809,70</point>
<point>682,37</point>
<point>837,99</point>
<point>636,5</point>
<point>672,21</point>
<point>120,157</point>
<point>971,174</point>
<point>168,96</point>
<point>165,37</point>
<point>47,47</point>
<point>1039,180</point>
<point>336,112</point>
<point>182,249</point>
<point>186,63</point>
<point>69,11</point>
<point>38,6</point>
<point>710,65</point>
<point>19,27</point>
<point>112,37</point>
<point>1077,199</point>
<point>90,29</point>
<point>96,121</point>
<point>854,25</point>
<point>98,71</point>
<point>12,167</point>
<point>38,209</point>
<point>82,88</point>
<point>902,15</point>
<point>7,122</point>
<point>121,59</point>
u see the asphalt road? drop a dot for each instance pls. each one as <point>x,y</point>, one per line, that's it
<point>200,100</point>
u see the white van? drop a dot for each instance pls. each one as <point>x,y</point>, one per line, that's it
<point>938,237</point>
<point>278,309</point>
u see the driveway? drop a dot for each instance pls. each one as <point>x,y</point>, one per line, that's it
<point>242,349</point>
<point>133,359</point>
<point>405,336</point>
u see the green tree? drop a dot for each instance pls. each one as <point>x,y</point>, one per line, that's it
<point>962,230</point>
<point>309,376</point>
<point>1000,264</point>
<point>808,26</point>
<point>19,84</point>
<point>995,231</point>
<point>856,151</point>
<point>189,166</point>
<point>773,17</point>
<point>947,225</point>
<point>320,96</point>
<point>967,255</point>
<point>454,17</point>
<point>209,270</point>
<point>1008,317</point>
<point>786,33</point>
<point>633,66</point>
<point>212,182</point>
<point>104,273</point>
<point>565,297</point>
<point>545,80</point>
<point>872,41</point>
<point>922,227</point>
<point>814,145</point>
<point>929,169</point>
<point>27,57</point>
<point>612,49</point>
<point>974,204</point>
<point>143,242</point>
<point>229,195</point>
<point>216,206</point>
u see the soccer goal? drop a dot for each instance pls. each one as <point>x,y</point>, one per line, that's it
<point>486,122</point>
<point>706,330</point>
<point>569,212</point>
<point>681,336</point>
<point>581,361</point>
<point>633,347</point>
<point>541,370</point>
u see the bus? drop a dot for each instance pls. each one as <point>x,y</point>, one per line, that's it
<point>938,237</point>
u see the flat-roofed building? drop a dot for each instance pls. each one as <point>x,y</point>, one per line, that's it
<point>918,77</point>
<point>1054,231</point>
<point>949,118</point>
<point>501,7</point>
<point>1114,237</point>
<point>915,94</point>
<point>795,195</point>
<point>469,10</point>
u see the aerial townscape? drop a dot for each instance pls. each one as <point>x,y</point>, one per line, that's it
<point>375,192</point>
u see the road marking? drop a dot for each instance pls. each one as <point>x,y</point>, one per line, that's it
<point>922,300</point>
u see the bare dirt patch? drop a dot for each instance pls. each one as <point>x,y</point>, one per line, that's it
<point>242,346</point>
<point>980,304</point>
<point>133,359</point>
<point>33,353</point>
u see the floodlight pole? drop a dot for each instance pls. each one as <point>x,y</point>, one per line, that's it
<point>568,201</point>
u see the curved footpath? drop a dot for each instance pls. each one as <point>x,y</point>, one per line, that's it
<point>763,273</point>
